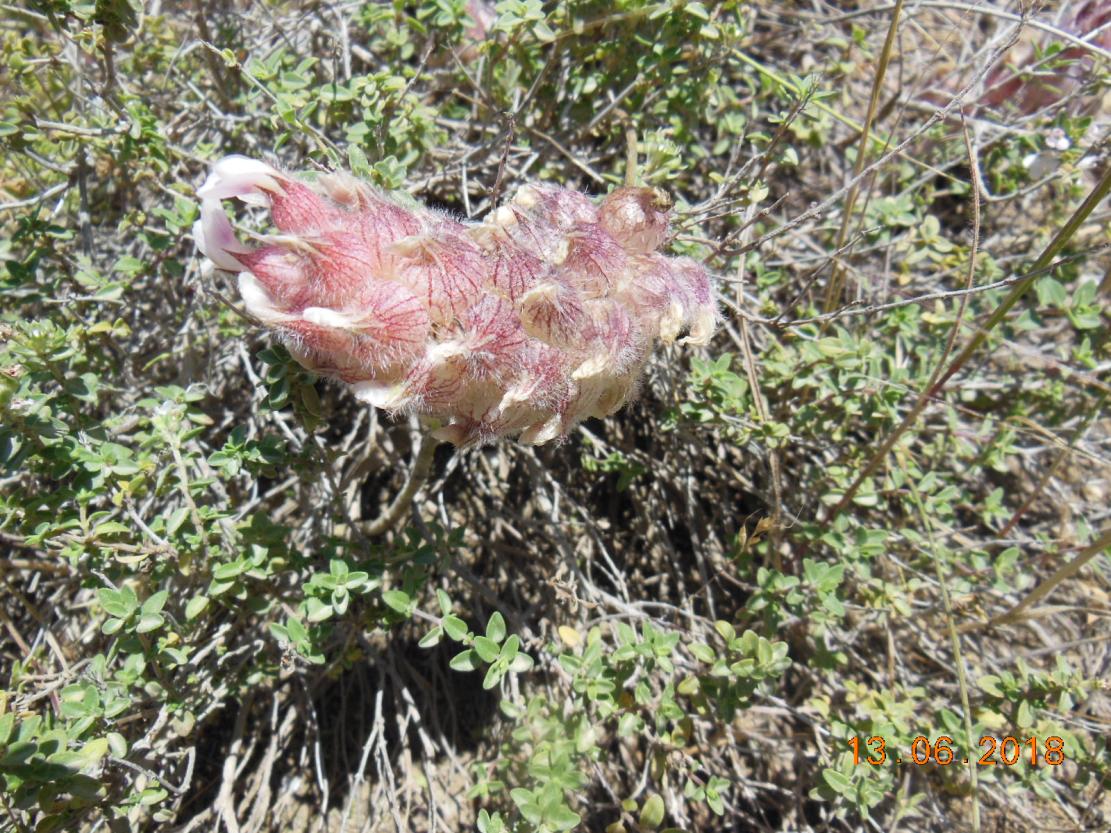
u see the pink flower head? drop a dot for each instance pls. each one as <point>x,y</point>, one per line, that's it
<point>524,325</point>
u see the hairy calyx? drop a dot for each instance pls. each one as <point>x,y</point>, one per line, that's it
<point>523,325</point>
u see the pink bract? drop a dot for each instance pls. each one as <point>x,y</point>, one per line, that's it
<point>523,326</point>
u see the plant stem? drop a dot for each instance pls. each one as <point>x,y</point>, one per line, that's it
<point>1022,287</point>
<point>631,151</point>
<point>938,382</point>
<point>418,474</point>
<point>1063,572</point>
<point>761,407</point>
<point>958,658</point>
<point>833,291</point>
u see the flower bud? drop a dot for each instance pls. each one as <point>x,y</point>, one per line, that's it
<point>637,218</point>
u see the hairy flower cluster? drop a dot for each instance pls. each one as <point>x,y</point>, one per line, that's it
<point>524,325</point>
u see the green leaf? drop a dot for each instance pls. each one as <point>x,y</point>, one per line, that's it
<point>94,750</point>
<point>174,522</point>
<point>196,606</point>
<point>838,782</point>
<point>115,603</point>
<point>432,638</point>
<point>486,648</point>
<point>297,631</point>
<point>454,627</point>
<point>110,528</point>
<point>464,661</point>
<point>358,162</point>
<point>652,813</point>
<point>696,9</point>
<point>444,601</point>
<point>224,572</point>
<point>701,652</point>
<point>493,674</point>
<point>149,622</point>
<point>281,633</point>
<point>117,743</point>
<point>1086,319</point>
<point>716,802</point>
<point>70,759</point>
<point>152,795</point>
<point>316,610</point>
<point>29,727</point>
<point>156,602</point>
<point>1051,292</point>
<point>764,652</point>
<point>689,686</point>
<point>571,663</point>
<point>990,684</point>
<point>521,796</point>
<point>398,600</point>
<point>18,752</point>
<point>357,579</point>
<point>50,824</point>
<point>562,817</point>
<point>509,648</point>
<point>495,628</point>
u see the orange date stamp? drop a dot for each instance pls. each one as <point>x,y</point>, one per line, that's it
<point>1007,751</point>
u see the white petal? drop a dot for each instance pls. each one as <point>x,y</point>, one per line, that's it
<point>240,176</point>
<point>454,434</point>
<point>237,163</point>
<point>545,293</point>
<point>445,351</point>
<point>593,367</point>
<point>216,238</point>
<point>671,322</point>
<point>390,396</point>
<point>330,318</point>
<point>515,396</point>
<point>541,433</point>
<point>526,196</point>
<point>701,329</point>
<point>505,216</point>
<point>258,301</point>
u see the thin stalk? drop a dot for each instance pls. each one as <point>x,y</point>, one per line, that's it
<point>881,142</point>
<point>1017,291</point>
<point>1103,187</point>
<point>631,151</point>
<point>958,658</point>
<point>836,279</point>
<point>761,406</point>
<point>1043,481</point>
<point>418,475</point>
<point>1065,571</point>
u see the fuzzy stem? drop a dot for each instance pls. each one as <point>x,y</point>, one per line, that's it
<point>418,474</point>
